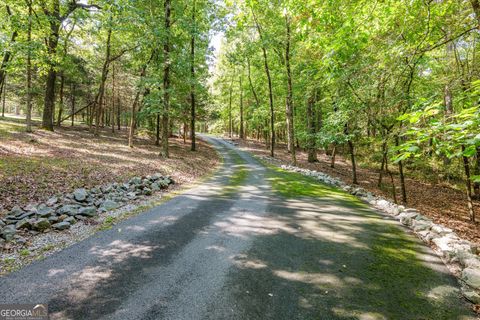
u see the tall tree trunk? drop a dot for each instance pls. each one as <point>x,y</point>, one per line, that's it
<point>7,55</point>
<point>334,154</point>
<point>72,95</point>
<point>157,133</point>
<point>4,96</point>
<point>193,146</point>
<point>468,185</point>
<point>476,185</point>
<point>166,80</point>
<point>52,43</point>
<point>242,132</point>
<point>311,129</point>
<point>352,156</point>
<point>255,96</point>
<point>132,119</point>
<point>60,108</point>
<point>289,104</point>
<point>402,175</point>
<point>113,98</point>
<point>101,90</point>
<point>270,89</point>
<point>29,70</point>
<point>143,72</point>
<point>230,120</point>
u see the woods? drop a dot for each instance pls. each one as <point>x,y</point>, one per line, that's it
<point>391,86</point>
<point>108,64</point>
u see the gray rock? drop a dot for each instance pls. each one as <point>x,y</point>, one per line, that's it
<point>27,214</point>
<point>132,195</point>
<point>88,211</point>
<point>406,217</point>
<point>156,176</point>
<point>16,211</point>
<point>81,218</point>
<point>70,220</point>
<point>147,191</point>
<point>20,240</point>
<point>80,194</point>
<point>11,220</point>
<point>52,201</point>
<point>421,225</point>
<point>135,181</point>
<point>41,224</point>
<point>23,224</point>
<point>53,219</point>
<point>2,224</point>
<point>441,230</point>
<point>109,205</point>
<point>43,211</point>
<point>155,186</point>
<point>8,232</point>
<point>61,225</point>
<point>471,276</point>
<point>69,209</point>
<point>471,295</point>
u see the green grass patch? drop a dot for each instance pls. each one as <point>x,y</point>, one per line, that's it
<point>7,127</point>
<point>24,252</point>
<point>294,185</point>
<point>239,175</point>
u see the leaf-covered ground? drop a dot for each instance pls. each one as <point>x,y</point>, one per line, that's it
<point>36,166</point>
<point>444,204</point>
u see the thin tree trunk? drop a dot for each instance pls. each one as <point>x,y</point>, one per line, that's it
<point>60,108</point>
<point>143,72</point>
<point>157,133</point>
<point>230,121</point>
<point>270,89</point>
<point>119,108</point>
<point>29,70</point>
<point>132,120</point>
<point>72,93</point>
<point>334,154</point>
<point>402,175</point>
<point>257,102</point>
<point>166,81</point>
<point>242,133</point>
<point>101,90</point>
<point>352,157</point>
<point>113,98</point>
<point>289,104</point>
<point>49,100</point>
<point>311,128</point>
<point>468,186</point>
<point>192,90</point>
<point>6,56</point>
<point>384,162</point>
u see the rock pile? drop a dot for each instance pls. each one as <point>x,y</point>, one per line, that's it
<point>60,212</point>
<point>460,254</point>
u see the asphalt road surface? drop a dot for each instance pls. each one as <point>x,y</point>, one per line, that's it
<point>242,245</point>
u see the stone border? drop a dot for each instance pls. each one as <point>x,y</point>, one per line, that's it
<point>461,256</point>
<point>62,211</point>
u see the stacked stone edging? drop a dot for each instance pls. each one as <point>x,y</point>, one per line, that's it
<point>61,212</point>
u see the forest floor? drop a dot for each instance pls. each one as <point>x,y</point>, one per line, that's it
<point>442,203</point>
<point>35,166</point>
